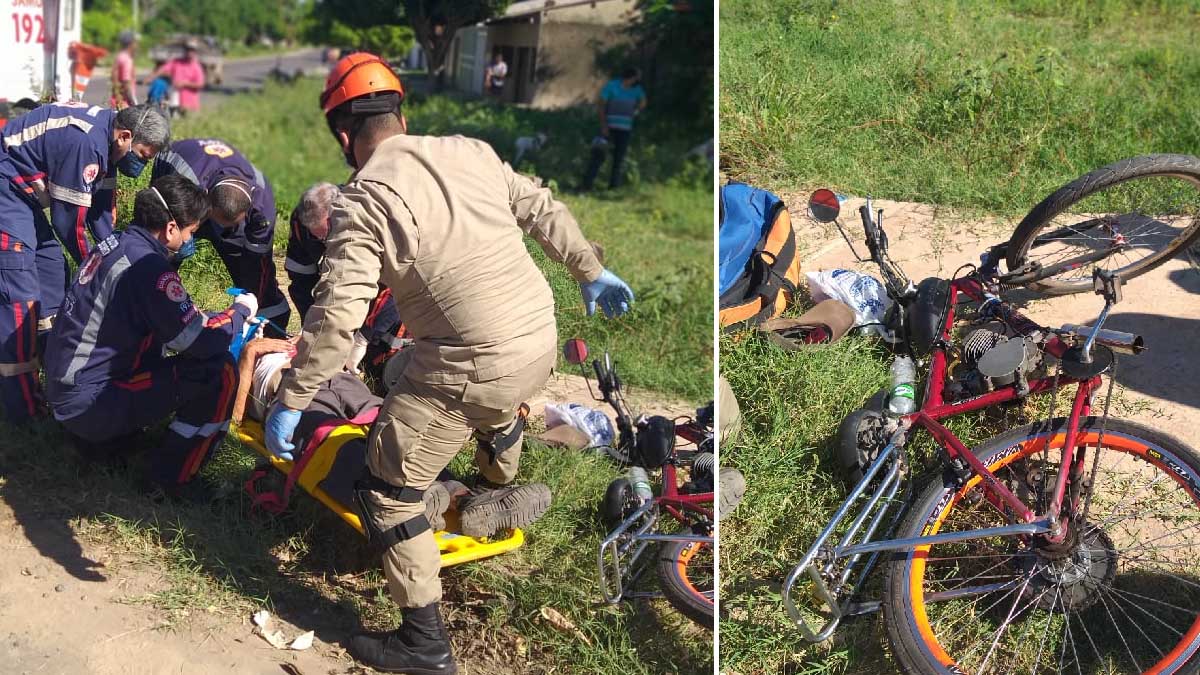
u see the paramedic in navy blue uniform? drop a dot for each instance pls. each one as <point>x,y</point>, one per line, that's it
<point>130,348</point>
<point>242,223</point>
<point>382,331</point>
<point>64,157</point>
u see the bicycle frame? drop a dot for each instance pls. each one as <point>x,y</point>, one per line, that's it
<point>621,549</point>
<point>819,562</point>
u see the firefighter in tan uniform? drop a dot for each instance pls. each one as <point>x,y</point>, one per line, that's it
<point>441,222</point>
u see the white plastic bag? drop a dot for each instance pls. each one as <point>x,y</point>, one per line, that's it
<point>862,292</point>
<point>594,423</point>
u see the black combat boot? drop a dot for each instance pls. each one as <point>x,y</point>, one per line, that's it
<point>419,646</point>
<point>492,508</point>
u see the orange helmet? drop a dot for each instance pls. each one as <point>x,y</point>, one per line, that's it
<point>357,75</point>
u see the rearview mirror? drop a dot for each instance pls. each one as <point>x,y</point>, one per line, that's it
<point>575,351</point>
<point>824,206</point>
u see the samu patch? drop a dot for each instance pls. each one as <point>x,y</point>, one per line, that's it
<point>170,284</point>
<point>90,172</point>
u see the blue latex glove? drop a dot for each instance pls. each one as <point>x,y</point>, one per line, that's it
<point>614,295</point>
<point>281,424</point>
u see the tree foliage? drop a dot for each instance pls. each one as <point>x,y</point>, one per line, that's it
<point>436,21</point>
<point>673,42</point>
<point>103,21</point>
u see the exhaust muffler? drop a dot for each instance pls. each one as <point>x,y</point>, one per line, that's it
<point>1122,343</point>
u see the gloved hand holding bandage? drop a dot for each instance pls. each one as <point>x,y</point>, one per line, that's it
<point>614,295</point>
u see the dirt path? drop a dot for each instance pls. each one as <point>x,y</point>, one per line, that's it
<point>1163,305</point>
<point>56,621</point>
<point>70,605</point>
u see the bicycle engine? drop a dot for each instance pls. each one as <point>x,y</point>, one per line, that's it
<point>992,355</point>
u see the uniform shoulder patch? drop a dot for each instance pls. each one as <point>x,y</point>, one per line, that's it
<point>170,284</point>
<point>88,271</point>
<point>90,172</point>
<point>217,149</point>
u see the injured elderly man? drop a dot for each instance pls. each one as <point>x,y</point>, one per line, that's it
<point>483,507</point>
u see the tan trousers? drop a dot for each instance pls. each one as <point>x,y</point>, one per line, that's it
<point>420,429</point>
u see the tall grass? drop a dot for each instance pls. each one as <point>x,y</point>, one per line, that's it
<point>987,105</point>
<point>657,232</point>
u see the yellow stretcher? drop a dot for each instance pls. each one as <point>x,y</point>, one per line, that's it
<point>455,548</point>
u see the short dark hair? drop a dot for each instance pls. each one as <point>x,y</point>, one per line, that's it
<point>227,200</point>
<point>185,203</point>
<point>631,73</point>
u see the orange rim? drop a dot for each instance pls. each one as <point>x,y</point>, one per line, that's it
<point>681,566</point>
<point>1113,441</point>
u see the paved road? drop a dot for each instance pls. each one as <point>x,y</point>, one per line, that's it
<point>241,75</point>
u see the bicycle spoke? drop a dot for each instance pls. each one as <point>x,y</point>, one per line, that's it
<point>1004,626</point>
<point>1046,633</point>
<point>1120,634</point>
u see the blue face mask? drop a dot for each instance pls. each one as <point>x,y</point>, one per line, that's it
<point>186,251</point>
<point>130,164</point>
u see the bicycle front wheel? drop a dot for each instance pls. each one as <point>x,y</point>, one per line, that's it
<point>1128,217</point>
<point>686,571</point>
<point>1121,594</point>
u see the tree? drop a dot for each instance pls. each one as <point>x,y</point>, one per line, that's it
<point>436,21</point>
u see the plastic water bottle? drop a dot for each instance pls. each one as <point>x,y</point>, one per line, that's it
<point>903,398</point>
<point>640,482</point>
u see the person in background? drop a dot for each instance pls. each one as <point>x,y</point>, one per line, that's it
<point>620,101</point>
<point>159,91</point>
<point>493,76</point>
<point>187,77</point>
<point>124,84</point>
<point>108,375</point>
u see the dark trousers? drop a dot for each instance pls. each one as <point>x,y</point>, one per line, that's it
<point>199,393</point>
<point>33,280</point>
<point>618,141</point>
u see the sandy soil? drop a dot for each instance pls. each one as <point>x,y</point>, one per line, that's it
<point>67,604</point>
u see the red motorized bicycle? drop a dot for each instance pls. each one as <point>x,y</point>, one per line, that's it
<point>1067,545</point>
<point>634,514</point>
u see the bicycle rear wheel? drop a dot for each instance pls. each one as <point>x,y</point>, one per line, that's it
<point>687,571</point>
<point>1121,595</point>
<point>1128,217</point>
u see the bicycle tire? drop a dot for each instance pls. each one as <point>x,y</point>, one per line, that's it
<point>1042,216</point>
<point>619,502</point>
<point>674,560</point>
<point>913,638</point>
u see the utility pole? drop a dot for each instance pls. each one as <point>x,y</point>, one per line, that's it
<point>135,18</point>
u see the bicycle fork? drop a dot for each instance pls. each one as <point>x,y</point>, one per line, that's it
<point>830,568</point>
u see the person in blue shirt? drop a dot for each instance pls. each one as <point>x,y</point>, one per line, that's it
<point>620,101</point>
<point>130,348</point>
<point>65,157</point>
<point>241,226</point>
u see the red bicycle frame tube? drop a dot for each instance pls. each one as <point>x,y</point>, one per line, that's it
<point>671,499</point>
<point>934,408</point>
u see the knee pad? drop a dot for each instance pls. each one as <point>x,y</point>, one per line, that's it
<point>377,537</point>
<point>495,443</point>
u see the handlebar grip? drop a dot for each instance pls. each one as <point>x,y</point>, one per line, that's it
<point>872,236</point>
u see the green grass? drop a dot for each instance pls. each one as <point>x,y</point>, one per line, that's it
<point>308,566</point>
<point>657,232</point>
<point>986,105</point>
